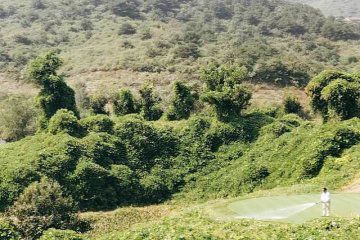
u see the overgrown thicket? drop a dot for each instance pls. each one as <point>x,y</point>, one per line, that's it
<point>288,151</point>
<point>135,155</point>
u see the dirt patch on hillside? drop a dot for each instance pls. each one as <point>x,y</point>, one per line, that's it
<point>11,86</point>
<point>353,187</point>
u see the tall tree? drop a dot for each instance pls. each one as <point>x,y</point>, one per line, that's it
<point>150,103</point>
<point>54,93</point>
<point>182,102</point>
<point>335,94</point>
<point>225,91</point>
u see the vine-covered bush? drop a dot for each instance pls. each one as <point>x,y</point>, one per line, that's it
<point>41,206</point>
<point>335,94</point>
<point>54,234</point>
<point>64,121</point>
<point>7,231</point>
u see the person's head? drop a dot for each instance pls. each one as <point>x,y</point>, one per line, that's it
<point>324,189</point>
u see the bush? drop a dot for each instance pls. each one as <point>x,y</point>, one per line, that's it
<point>64,121</point>
<point>7,231</point>
<point>278,73</point>
<point>335,94</point>
<point>54,93</point>
<point>224,90</point>
<point>343,99</point>
<point>127,183</point>
<point>98,104</point>
<point>92,186</point>
<point>97,123</point>
<point>59,161</point>
<point>127,29</point>
<point>149,103</point>
<point>229,102</point>
<point>42,206</point>
<point>182,102</point>
<point>104,149</point>
<point>144,143</point>
<point>157,186</point>
<point>17,118</point>
<point>54,234</point>
<point>125,103</point>
<point>292,105</point>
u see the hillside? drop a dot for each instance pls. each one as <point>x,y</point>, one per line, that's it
<point>125,43</point>
<point>337,8</point>
<point>178,119</point>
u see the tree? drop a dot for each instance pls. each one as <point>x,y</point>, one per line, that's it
<point>343,99</point>
<point>41,206</point>
<point>149,103</point>
<point>182,102</point>
<point>335,94</point>
<point>54,93</point>
<point>17,118</point>
<point>125,103</point>
<point>224,90</point>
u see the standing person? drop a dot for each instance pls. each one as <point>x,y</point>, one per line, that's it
<point>325,201</point>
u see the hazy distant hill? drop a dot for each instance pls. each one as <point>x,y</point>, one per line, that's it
<point>345,8</point>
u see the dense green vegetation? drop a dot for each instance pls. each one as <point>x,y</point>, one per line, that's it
<point>100,162</point>
<point>133,147</point>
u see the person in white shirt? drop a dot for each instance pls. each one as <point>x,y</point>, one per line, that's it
<point>325,201</point>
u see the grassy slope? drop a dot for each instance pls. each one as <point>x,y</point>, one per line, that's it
<point>202,221</point>
<point>199,222</point>
<point>193,221</point>
<point>344,8</point>
<point>286,154</point>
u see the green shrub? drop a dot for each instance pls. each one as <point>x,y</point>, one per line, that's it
<point>127,186</point>
<point>332,92</point>
<point>278,73</point>
<point>229,102</point>
<point>149,103</point>
<point>224,90</point>
<point>292,105</point>
<point>7,231</point>
<point>343,99</point>
<point>98,123</point>
<point>92,186</point>
<point>157,185</point>
<point>54,234</point>
<point>104,149</point>
<point>182,102</point>
<point>59,161</point>
<point>126,29</point>
<point>64,121</point>
<point>98,104</point>
<point>144,143</point>
<point>125,103</point>
<point>54,93</point>
<point>17,118</point>
<point>42,206</point>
